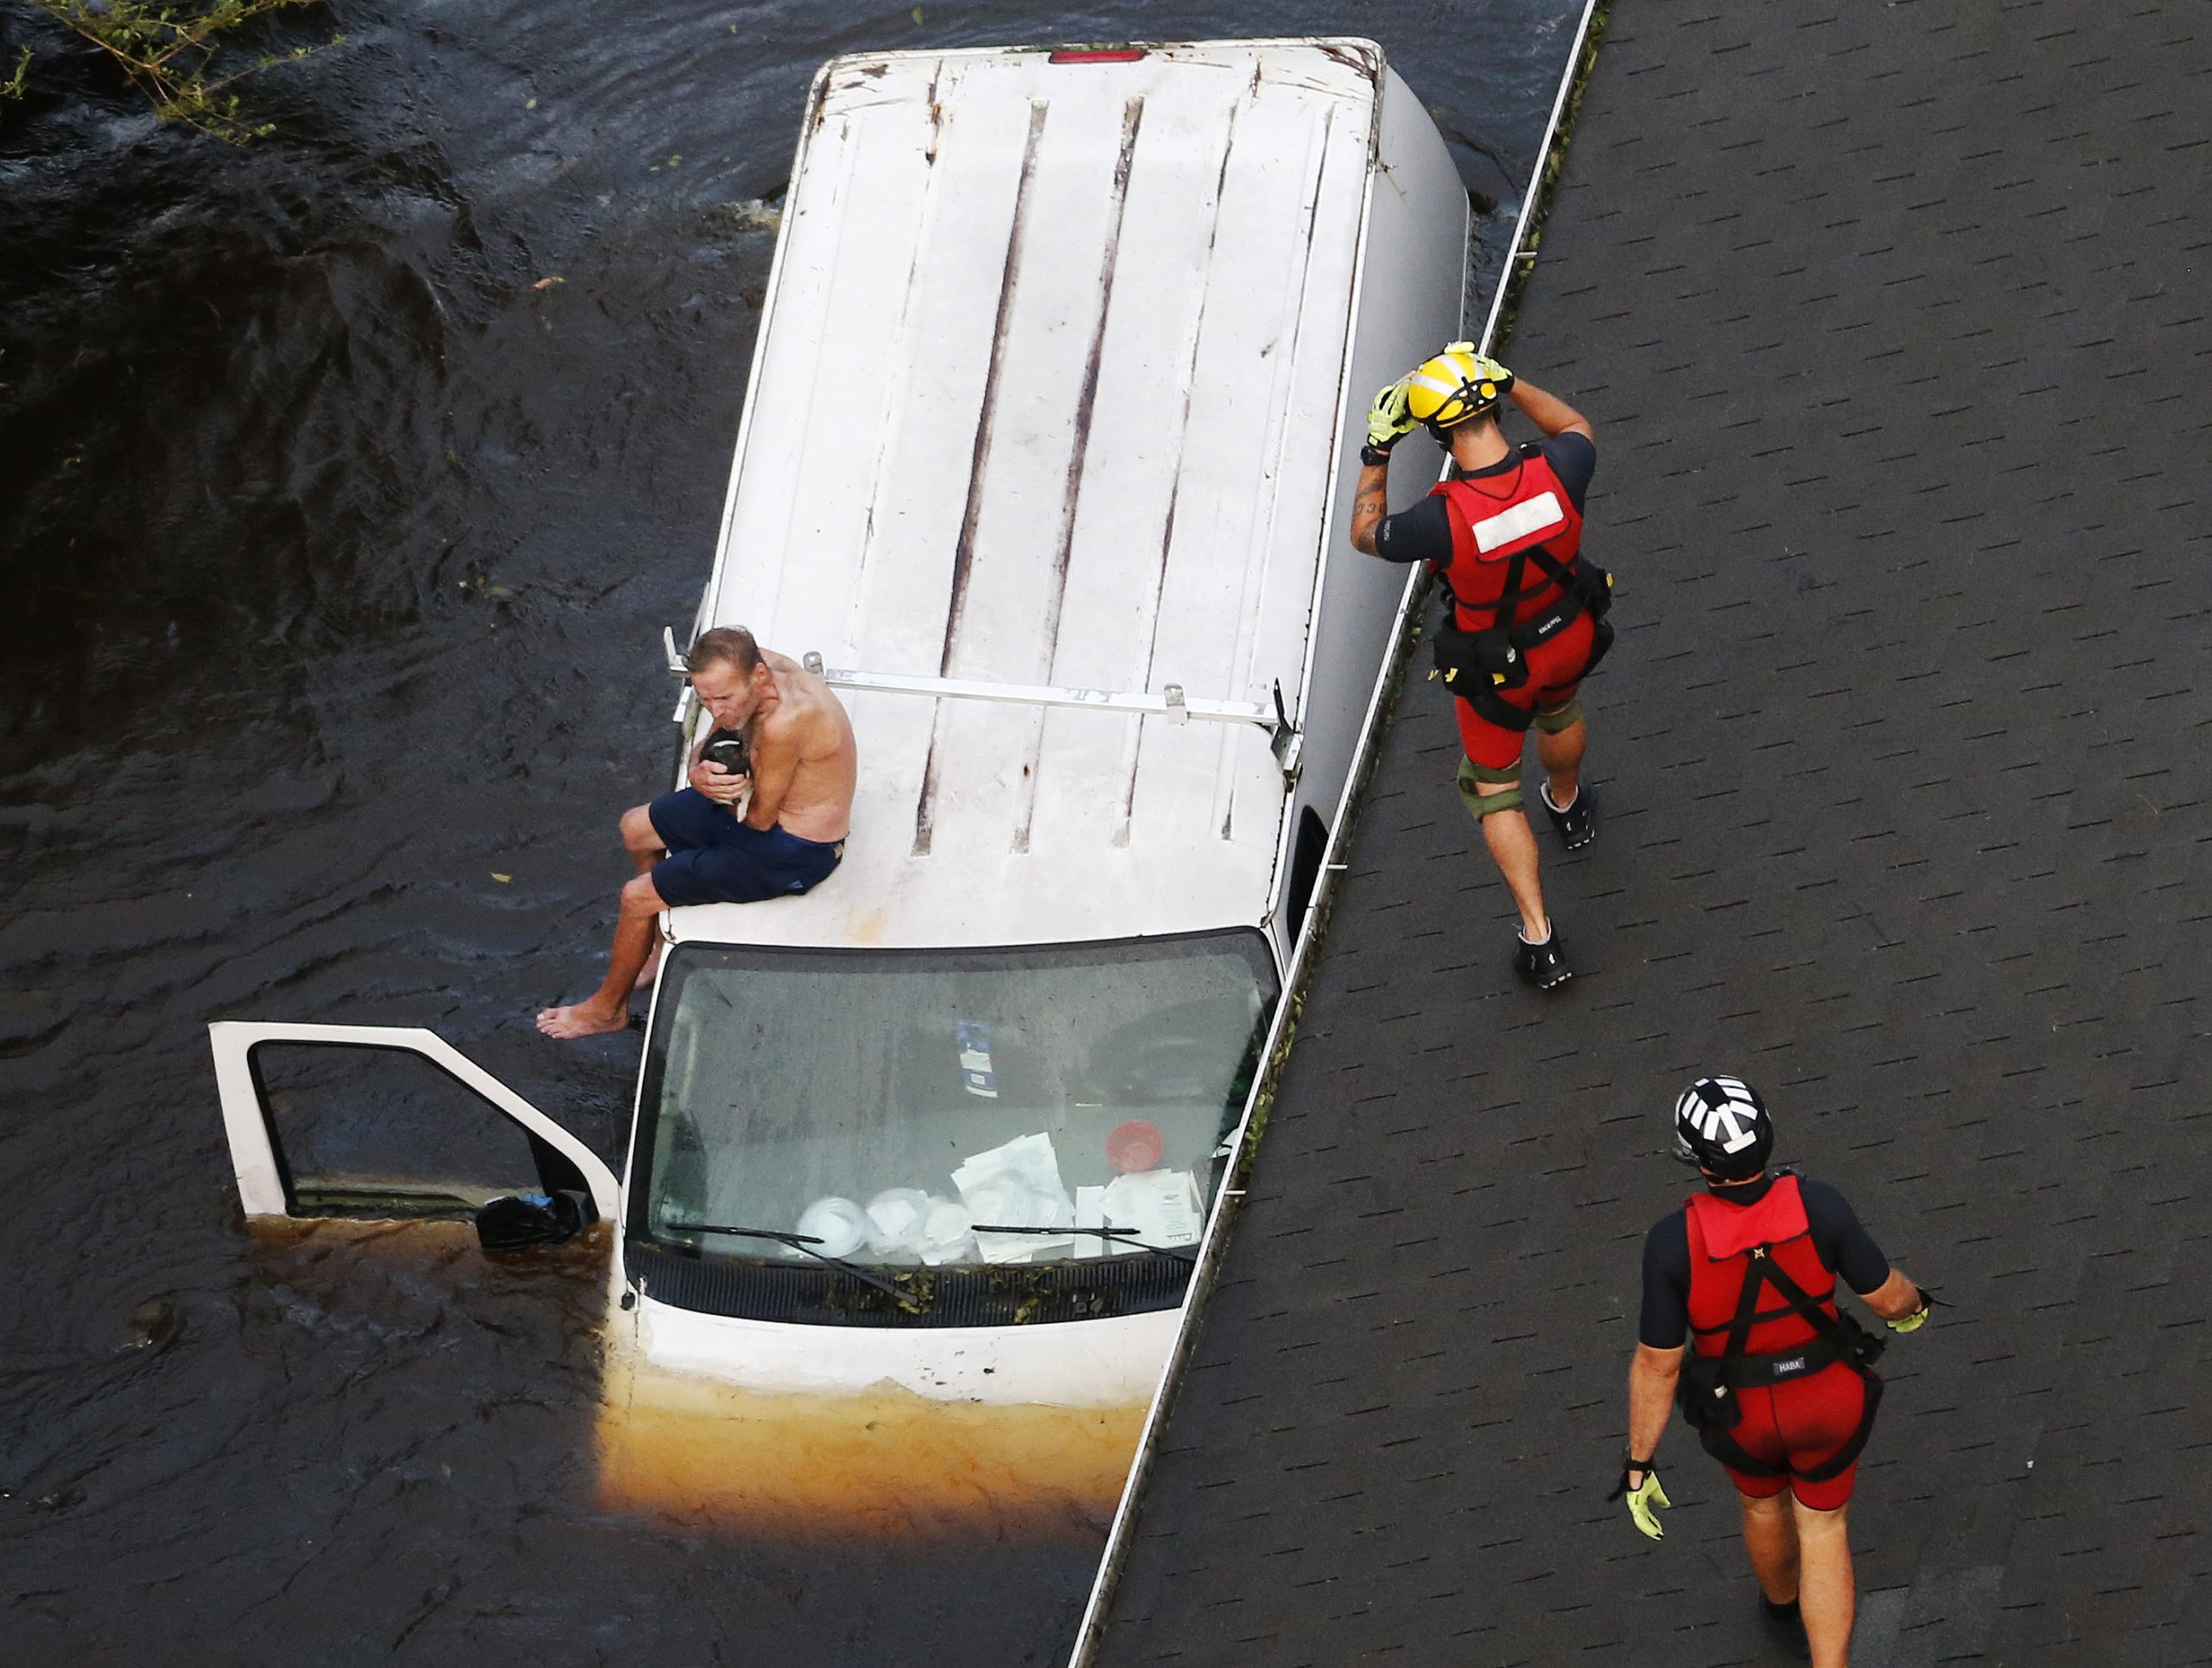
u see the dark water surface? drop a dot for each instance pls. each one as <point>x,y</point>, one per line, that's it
<point>336,554</point>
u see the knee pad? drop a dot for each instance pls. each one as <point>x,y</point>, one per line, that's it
<point>1480,805</point>
<point>1552,721</point>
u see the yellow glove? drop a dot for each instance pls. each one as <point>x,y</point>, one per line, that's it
<point>1918,1319</point>
<point>1388,422</point>
<point>1645,1501</point>
<point>1490,368</point>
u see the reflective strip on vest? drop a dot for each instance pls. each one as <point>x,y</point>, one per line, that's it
<point>1531,515</point>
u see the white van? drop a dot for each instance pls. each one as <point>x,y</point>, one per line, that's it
<point>1047,463</point>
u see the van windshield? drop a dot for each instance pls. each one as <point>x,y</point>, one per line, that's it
<point>894,1107</point>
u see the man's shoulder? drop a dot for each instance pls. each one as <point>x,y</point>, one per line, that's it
<point>805,701</point>
<point>1667,1248</point>
<point>1569,453</point>
<point>810,715</point>
<point>1573,457</point>
<point>1821,1196</point>
<point>1420,532</point>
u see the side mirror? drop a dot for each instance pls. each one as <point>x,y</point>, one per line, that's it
<point>522,1221</point>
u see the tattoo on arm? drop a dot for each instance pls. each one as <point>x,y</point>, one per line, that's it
<point>1369,506</point>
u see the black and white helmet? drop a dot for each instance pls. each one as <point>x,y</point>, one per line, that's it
<point>1721,1126</point>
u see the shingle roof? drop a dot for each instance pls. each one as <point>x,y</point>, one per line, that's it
<point>1891,322</point>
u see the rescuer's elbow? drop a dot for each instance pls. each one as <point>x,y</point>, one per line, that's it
<point>1663,1366</point>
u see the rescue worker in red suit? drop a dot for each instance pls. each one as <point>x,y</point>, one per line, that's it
<point>1777,1379</point>
<point>1526,615</point>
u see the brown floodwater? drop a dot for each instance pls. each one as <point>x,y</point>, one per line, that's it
<point>674,1447</point>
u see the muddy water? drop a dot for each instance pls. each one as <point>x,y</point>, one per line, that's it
<point>337,540</point>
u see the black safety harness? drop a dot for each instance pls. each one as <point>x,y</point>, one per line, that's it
<point>1707,1390</point>
<point>1476,664</point>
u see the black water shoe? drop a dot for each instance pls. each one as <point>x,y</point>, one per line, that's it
<point>1543,965</point>
<point>1578,824</point>
<point>1785,1626</point>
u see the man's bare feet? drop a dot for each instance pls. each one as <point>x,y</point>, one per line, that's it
<point>650,970</point>
<point>580,1020</point>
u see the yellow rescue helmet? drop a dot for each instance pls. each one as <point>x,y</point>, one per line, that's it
<point>1456,386</point>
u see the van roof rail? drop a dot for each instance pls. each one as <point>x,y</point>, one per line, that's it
<point>1171,703</point>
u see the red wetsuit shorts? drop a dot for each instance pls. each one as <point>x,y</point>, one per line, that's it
<point>1555,670</point>
<point>1802,1424</point>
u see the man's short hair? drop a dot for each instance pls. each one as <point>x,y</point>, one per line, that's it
<point>730,645</point>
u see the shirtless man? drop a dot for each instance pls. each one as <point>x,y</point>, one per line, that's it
<point>699,845</point>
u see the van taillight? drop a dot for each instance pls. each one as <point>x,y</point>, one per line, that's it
<point>1097,56</point>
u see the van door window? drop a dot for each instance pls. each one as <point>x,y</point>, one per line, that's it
<point>383,1133</point>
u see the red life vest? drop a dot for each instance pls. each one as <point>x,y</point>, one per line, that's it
<point>1725,1239</point>
<point>1492,532</point>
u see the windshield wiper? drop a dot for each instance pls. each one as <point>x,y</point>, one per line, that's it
<point>804,1242</point>
<point>1094,1234</point>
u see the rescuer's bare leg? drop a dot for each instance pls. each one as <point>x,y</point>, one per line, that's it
<point>1561,757</point>
<point>607,1009</point>
<point>1770,1537</point>
<point>643,842</point>
<point>1826,1595</point>
<point>1513,848</point>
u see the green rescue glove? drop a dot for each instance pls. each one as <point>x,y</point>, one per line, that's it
<point>1490,368</point>
<point>1645,1501</point>
<point>1388,422</point>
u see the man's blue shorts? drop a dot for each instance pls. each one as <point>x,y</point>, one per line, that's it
<point>714,858</point>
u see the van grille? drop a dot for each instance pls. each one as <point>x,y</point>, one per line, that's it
<point>1002,1297</point>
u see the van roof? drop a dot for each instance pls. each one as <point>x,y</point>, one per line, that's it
<point>1048,392</point>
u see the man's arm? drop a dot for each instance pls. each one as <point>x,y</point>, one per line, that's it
<point>1371,502</point>
<point>1896,1297</point>
<point>1551,414</point>
<point>1651,1378</point>
<point>1844,1245</point>
<point>723,787</point>
<point>717,784</point>
<point>778,744</point>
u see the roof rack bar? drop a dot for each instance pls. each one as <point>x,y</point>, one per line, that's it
<point>1171,703</point>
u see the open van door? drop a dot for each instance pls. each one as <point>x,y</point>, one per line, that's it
<point>409,1136</point>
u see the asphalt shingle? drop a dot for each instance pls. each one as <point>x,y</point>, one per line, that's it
<point>1892,322</point>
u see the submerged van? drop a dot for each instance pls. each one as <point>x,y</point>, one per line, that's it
<point>1045,465</point>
